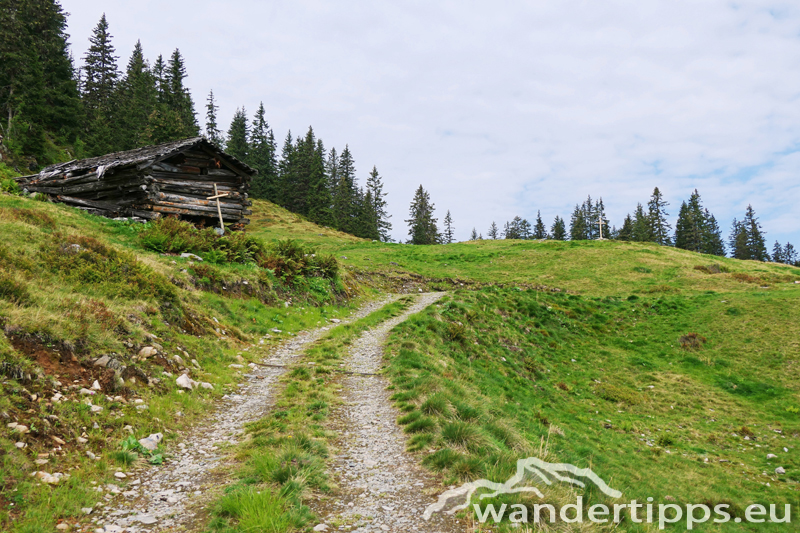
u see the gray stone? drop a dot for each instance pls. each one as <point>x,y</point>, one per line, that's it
<point>185,382</point>
<point>152,441</point>
<point>102,361</point>
<point>147,351</point>
<point>187,255</point>
<point>780,470</point>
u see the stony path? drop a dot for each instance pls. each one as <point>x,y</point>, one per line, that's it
<point>380,486</point>
<point>170,497</point>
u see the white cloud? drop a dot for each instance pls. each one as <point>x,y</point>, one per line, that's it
<point>507,109</point>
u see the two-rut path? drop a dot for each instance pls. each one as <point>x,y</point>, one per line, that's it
<point>379,485</point>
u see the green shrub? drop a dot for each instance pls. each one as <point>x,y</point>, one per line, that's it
<point>10,186</point>
<point>615,394</point>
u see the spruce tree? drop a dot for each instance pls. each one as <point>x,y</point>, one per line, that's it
<point>178,98</point>
<point>447,236</point>
<point>513,229</point>
<point>525,230</point>
<point>493,232</point>
<point>136,99</point>
<point>657,219</point>
<point>100,76</point>
<point>599,214</point>
<point>738,240</point>
<point>238,142</point>
<point>38,91</point>
<point>559,229</point>
<point>577,224</point>
<point>756,245</point>
<point>712,236</point>
<point>212,130</point>
<point>790,255</point>
<point>539,230</point>
<point>345,193</point>
<point>474,235</point>
<point>421,224</point>
<point>777,253</point>
<point>378,203</point>
<point>262,157</point>
<point>625,233</point>
<point>285,172</point>
<point>319,197</point>
<point>641,226</point>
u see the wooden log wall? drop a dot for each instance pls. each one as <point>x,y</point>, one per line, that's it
<point>179,185</point>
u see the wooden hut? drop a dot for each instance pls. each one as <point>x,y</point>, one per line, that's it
<point>175,178</point>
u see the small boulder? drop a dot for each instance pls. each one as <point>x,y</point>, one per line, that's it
<point>185,382</point>
<point>96,408</point>
<point>102,361</point>
<point>187,255</point>
<point>206,385</point>
<point>120,475</point>
<point>96,385</point>
<point>57,440</point>
<point>780,470</point>
<point>152,441</point>
<point>178,360</point>
<point>86,392</point>
<point>321,527</point>
<point>771,456</point>
<point>147,351</point>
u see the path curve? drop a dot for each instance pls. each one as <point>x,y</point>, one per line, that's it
<point>172,497</point>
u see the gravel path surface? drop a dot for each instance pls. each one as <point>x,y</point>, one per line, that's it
<point>380,486</point>
<point>171,497</point>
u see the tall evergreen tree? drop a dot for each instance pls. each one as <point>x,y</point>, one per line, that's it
<point>625,233</point>
<point>642,231</point>
<point>598,217</point>
<point>539,229</point>
<point>559,229</point>
<point>447,235</point>
<point>262,157</point>
<point>100,76</point>
<point>136,100</point>
<point>738,240</point>
<point>421,224</point>
<point>790,255</point>
<point>515,228</point>
<point>178,98</point>
<point>213,132</point>
<point>657,218</point>
<point>526,230</point>
<point>712,236</point>
<point>577,224</point>
<point>777,253</point>
<point>756,246</point>
<point>285,172</point>
<point>38,89</point>
<point>378,204</point>
<point>238,143</point>
<point>493,232</point>
<point>691,228</point>
<point>345,193</point>
<point>319,199</point>
<point>474,235</point>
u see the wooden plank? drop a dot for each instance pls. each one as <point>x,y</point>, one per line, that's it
<point>166,197</point>
<point>200,209</point>
<point>190,212</point>
<point>107,206</point>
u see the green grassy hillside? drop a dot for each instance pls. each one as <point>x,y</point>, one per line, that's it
<point>668,372</point>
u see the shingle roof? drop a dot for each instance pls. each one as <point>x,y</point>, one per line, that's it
<point>139,155</point>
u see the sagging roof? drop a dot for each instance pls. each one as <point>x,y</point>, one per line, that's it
<point>137,156</point>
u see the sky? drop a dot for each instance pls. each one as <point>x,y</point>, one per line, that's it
<point>510,107</point>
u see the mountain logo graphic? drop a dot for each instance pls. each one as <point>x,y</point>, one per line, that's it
<point>529,470</point>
